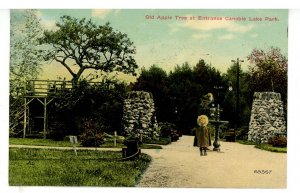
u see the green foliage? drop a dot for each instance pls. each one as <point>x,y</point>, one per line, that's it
<point>26,54</point>
<point>264,146</point>
<point>57,130</point>
<point>269,147</point>
<point>66,143</point>
<point>150,146</point>
<point>102,101</point>
<point>278,141</point>
<point>169,130</point>
<point>89,46</point>
<point>166,129</point>
<point>39,142</point>
<point>177,95</point>
<point>93,135</point>
<point>245,142</point>
<point>268,72</point>
<point>40,167</point>
<point>242,133</point>
<point>161,141</point>
<point>154,81</point>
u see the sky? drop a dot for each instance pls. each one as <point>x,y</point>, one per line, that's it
<point>170,37</point>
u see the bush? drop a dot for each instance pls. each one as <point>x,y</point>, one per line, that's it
<point>169,130</point>
<point>242,133</point>
<point>166,129</point>
<point>89,100</point>
<point>93,135</point>
<point>57,131</point>
<point>278,141</point>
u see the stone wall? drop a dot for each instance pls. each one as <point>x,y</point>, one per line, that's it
<point>139,115</point>
<point>267,117</point>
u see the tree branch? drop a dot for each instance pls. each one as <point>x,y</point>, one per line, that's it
<point>63,62</point>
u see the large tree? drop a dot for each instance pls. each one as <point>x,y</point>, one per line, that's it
<point>177,95</point>
<point>155,80</point>
<point>80,44</point>
<point>268,71</point>
<point>25,53</point>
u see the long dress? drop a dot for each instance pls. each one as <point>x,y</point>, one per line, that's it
<point>203,136</point>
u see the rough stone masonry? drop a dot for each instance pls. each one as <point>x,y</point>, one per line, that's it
<point>139,115</point>
<point>267,117</point>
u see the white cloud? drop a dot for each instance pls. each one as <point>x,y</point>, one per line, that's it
<point>100,13</point>
<point>209,25</point>
<point>226,37</point>
<point>201,36</point>
<point>49,24</point>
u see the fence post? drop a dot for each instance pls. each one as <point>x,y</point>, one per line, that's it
<point>115,139</point>
<point>73,140</point>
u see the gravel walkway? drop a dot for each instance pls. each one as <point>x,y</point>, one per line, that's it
<point>179,165</point>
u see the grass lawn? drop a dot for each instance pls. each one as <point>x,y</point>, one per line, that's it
<point>161,141</point>
<point>264,146</point>
<point>39,142</point>
<point>269,147</point>
<point>66,143</point>
<point>44,167</point>
<point>245,142</point>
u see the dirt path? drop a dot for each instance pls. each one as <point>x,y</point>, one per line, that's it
<point>180,165</point>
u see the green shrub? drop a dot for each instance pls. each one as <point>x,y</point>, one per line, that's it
<point>57,131</point>
<point>169,130</point>
<point>93,135</point>
<point>89,101</point>
<point>278,141</point>
<point>242,133</point>
<point>166,129</point>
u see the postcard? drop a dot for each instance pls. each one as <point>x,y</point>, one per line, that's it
<point>148,98</point>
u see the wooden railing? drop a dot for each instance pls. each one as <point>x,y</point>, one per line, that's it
<point>45,87</point>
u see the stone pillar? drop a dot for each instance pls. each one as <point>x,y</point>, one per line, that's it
<point>139,116</point>
<point>267,117</point>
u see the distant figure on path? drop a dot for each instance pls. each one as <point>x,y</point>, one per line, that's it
<point>203,134</point>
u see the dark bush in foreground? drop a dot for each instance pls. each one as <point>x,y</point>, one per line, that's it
<point>93,135</point>
<point>104,99</point>
<point>166,128</point>
<point>57,131</point>
<point>278,141</point>
<point>169,130</point>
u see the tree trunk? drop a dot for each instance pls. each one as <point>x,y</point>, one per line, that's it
<point>75,80</point>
